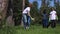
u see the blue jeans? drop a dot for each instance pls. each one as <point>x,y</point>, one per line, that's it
<point>45,23</point>
<point>29,20</point>
<point>26,20</point>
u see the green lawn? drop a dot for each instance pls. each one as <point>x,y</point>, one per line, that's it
<point>34,29</point>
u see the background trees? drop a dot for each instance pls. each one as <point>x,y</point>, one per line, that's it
<point>17,7</point>
<point>34,12</point>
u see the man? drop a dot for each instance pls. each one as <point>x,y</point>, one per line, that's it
<point>26,16</point>
<point>52,17</point>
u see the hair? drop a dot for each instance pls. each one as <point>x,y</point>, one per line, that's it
<point>44,12</point>
<point>52,9</point>
<point>28,5</point>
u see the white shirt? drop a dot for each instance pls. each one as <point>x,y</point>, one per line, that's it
<point>53,15</point>
<point>26,10</point>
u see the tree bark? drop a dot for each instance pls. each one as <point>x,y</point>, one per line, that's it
<point>3,10</point>
<point>10,21</point>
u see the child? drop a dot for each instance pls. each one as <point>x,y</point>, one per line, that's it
<point>53,18</point>
<point>45,19</point>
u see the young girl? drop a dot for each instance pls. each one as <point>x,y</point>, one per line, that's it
<point>53,18</point>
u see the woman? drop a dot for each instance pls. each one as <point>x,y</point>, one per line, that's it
<point>27,16</point>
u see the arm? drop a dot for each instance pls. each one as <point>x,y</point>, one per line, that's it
<point>29,13</point>
<point>30,16</point>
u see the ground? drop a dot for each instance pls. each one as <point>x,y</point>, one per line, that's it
<point>34,29</point>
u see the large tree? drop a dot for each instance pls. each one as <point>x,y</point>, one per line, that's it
<point>3,10</point>
<point>10,21</point>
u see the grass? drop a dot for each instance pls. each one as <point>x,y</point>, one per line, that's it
<point>34,29</point>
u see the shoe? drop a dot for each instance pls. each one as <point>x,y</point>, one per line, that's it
<point>27,27</point>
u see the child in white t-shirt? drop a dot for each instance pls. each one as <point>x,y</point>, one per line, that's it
<point>52,18</point>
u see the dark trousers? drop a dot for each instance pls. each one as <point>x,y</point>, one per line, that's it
<point>45,23</point>
<point>52,23</point>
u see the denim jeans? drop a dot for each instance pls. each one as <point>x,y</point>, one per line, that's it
<point>29,20</point>
<point>45,23</point>
<point>26,20</point>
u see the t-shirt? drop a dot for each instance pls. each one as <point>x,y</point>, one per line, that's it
<point>53,15</point>
<point>45,16</point>
<point>26,10</point>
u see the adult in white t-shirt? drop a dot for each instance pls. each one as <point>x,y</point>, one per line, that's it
<point>26,13</point>
<point>26,17</point>
<point>52,18</point>
<point>26,10</point>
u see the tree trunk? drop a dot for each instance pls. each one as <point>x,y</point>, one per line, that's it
<point>10,21</point>
<point>4,6</point>
<point>3,10</point>
<point>47,3</point>
<point>23,5</point>
<point>43,3</point>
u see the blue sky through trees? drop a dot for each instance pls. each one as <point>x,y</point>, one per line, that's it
<point>39,2</point>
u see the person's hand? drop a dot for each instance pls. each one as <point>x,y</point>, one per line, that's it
<point>32,19</point>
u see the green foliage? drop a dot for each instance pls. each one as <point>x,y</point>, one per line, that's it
<point>17,14</point>
<point>57,7</point>
<point>18,5</point>
<point>34,12</point>
<point>3,31</point>
<point>26,3</point>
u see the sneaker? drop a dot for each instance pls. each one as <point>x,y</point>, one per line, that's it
<point>27,27</point>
